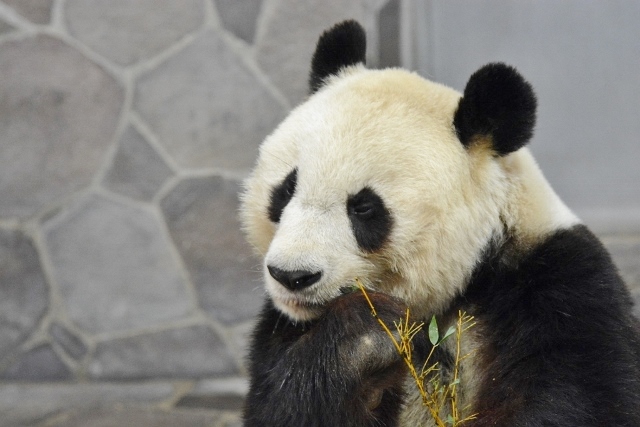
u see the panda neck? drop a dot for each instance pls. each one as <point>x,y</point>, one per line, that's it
<point>534,210</point>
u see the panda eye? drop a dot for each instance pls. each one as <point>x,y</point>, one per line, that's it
<point>363,210</point>
<point>290,187</point>
<point>371,221</point>
<point>365,205</point>
<point>281,195</point>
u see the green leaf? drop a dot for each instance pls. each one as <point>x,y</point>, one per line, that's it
<point>449,419</point>
<point>433,331</point>
<point>450,331</point>
<point>349,289</point>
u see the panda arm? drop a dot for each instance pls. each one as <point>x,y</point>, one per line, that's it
<point>562,346</point>
<point>340,370</point>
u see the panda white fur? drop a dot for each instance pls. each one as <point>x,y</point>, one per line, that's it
<point>429,197</point>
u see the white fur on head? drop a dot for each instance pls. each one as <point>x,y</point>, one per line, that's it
<point>534,209</point>
<point>391,131</point>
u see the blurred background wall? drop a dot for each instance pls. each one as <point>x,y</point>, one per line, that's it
<point>126,127</point>
<point>583,60</point>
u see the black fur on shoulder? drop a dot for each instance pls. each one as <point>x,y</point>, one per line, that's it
<point>341,370</point>
<point>343,45</point>
<point>497,103</point>
<point>562,346</point>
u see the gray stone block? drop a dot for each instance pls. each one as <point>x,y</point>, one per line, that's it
<point>59,112</point>
<point>71,344</point>
<point>4,27</point>
<point>127,31</point>
<point>37,11</point>
<point>239,17</point>
<point>28,404</point>
<point>39,364</point>
<point>114,267</point>
<point>226,394</point>
<point>233,423</point>
<point>206,107</point>
<point>23,291</point>
<point>232,385</point>
<point>241,338</point>
<point>218,402</point>
<point>137,417</point>
<point>178,353</point>
<point>137,171</point>
<point>202,217</point>
<point>284,51</point>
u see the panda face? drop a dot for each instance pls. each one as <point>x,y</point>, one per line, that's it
<point>368,179</point>
<point>403,183</point>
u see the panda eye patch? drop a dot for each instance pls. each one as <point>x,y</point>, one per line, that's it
<point>370,219</point>
<point>281,195</point>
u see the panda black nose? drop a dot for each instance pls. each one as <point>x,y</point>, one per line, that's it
<point>294,280</point>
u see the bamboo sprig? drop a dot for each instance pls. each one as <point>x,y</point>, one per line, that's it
<point>463,324</point>
<point>435,399</point>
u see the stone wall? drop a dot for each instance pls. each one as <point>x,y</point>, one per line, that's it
<point>126,127</point>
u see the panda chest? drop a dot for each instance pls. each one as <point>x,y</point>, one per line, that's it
<point>458,368</point>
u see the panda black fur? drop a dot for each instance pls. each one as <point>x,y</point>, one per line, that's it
<point>431,200</point>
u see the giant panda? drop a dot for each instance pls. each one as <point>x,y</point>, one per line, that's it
<point>432,200</point>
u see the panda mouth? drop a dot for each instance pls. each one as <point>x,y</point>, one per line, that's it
<point>302,303</point>
<point>305,306</point>
<point>299,310</point>
<point>298,303</point>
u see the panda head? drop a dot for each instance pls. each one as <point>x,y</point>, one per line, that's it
<point>387,177</point>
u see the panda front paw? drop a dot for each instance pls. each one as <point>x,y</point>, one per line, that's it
<point>364,348</point>
<point>343,369</point>
<point>363,344</point>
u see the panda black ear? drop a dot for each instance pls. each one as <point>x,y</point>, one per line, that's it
<point>342,45</point>
<point>497,103</point>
